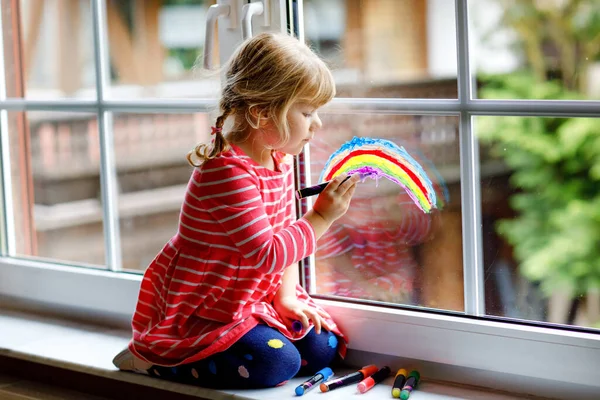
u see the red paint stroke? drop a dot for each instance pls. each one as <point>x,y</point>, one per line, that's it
<point>381,154</point>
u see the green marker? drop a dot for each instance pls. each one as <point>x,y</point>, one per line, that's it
<point>411,383</point>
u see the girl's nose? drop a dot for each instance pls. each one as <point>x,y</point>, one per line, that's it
<point>316,122</point>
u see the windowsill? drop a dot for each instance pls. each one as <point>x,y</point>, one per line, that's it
<point>90,348</point>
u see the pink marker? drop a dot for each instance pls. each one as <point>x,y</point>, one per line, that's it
<point>368,383</point>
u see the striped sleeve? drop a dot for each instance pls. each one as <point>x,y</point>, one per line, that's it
<point>229,191</point>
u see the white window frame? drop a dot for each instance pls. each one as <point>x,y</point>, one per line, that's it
<point>562,361</point>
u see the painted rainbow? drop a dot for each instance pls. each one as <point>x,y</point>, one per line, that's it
<point>377,158</point>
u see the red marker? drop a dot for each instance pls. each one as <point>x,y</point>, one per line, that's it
<point>368,383</point>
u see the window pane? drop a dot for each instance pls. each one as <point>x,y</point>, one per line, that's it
<point>153,173</point>
<point>541,217</point>
<point>385,248</point>
<point>531,45</point>
<point>48,49</point>
<point>54,158</point>
<point>386,48</point>
<point>154,45</point>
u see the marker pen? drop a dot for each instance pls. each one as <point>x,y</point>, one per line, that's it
<point>369,382</point>
<point>411,383</point>
<point>297,326</point>
<point>313,190</point>
<point>349,379</point>
<point>399,381</point>
<point>322,375</point>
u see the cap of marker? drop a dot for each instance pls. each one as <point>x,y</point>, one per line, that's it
<point>297,326</point>
<point>368,370</point>
<point>325,372</point>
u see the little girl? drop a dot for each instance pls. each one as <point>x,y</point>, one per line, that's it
<point>216,305</point>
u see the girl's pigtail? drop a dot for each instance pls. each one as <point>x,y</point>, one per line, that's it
<point>203,152</point>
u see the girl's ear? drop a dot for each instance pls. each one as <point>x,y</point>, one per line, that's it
<point>259,116</point>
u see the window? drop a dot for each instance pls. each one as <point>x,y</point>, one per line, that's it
<point>496,106</point>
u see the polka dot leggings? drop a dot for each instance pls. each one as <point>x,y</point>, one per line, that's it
<point>263,357</point>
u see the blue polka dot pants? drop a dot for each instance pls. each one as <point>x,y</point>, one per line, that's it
<point>262,358</point>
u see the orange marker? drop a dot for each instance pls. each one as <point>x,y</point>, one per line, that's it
<point>349,379</point>
<point>369,382</point>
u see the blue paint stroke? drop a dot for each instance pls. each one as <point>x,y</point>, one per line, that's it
<point>373,171</point>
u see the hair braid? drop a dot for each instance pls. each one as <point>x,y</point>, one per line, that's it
<point>203,152</point>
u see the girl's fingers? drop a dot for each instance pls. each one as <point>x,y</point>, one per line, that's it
<point>350,191</point>
<point>322,313</point>
<point>337,181</point>
<point>348,184</point>
<point>303,319</point>
<point>325,325</point>
<point>324,316</point>
<point>315,318</point>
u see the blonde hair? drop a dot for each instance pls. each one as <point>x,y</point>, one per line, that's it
<point>265,76</point>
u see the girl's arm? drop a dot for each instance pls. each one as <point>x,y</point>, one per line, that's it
<point>288,306</point>
<point>289,281</point>
<point>229,192</point>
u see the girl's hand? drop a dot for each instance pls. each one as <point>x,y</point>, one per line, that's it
<point>291,309</point>
<point>333,202</point>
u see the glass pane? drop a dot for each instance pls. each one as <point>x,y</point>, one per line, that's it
<point>541,218</point>
<point>153,173</point>
<point>48,49</point>
<point>386,48</point>
<point>54,159</point>
<point>385,248</point>
<point>154,45</point>
<point>524,49</point>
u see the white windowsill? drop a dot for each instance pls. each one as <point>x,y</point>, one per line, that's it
<point>538,361</point>
<point>89,349</point>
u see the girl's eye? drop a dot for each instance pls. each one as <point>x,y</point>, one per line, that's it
<point>307,115</point>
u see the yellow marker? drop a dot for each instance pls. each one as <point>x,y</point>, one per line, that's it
<point>399,383</point>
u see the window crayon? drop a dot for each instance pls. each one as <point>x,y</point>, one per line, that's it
<point>313,190</point>
<point>399,381</point>
<point>369,382</point>
<point>320,376</point>
<point>349,379</point>
<point>297,326</point>
<point>411,383</point>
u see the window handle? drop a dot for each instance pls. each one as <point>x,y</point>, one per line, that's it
<point>248,11</point>
<point>214,12</point>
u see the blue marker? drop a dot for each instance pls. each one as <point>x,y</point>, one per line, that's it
<point>319,377</point>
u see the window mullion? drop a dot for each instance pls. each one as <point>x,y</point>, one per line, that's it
<point>474,296</point>
<point>108,173</point>
<point>8,237</point>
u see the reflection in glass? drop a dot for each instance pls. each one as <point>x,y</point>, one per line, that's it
<point>154,46</point>
<point>386,48</point>
<point>153,172</point>
<point>544,50</point>
<point>48,48</point>
<point>541,218</point>
<point>56,186</point>
<point>385,248</point>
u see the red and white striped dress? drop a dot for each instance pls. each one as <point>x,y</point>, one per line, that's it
<point>216,278</point>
